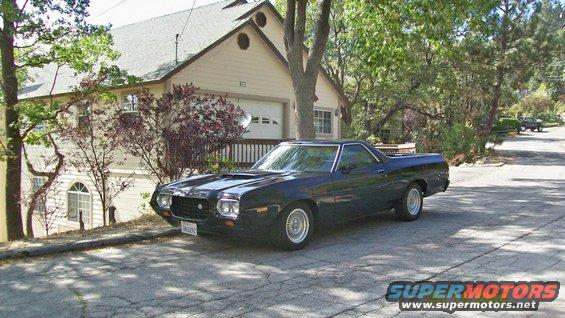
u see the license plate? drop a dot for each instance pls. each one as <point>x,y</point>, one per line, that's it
<point>188,228</point>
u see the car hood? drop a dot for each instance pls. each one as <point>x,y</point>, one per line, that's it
<point>236,183</point>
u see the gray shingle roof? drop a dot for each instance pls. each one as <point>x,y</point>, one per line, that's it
<point>148,47</point>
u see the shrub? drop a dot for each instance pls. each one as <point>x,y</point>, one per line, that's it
<point>218,164</point>
<point>459,141</point>
<point>506,125</point>
<point>537,103</point>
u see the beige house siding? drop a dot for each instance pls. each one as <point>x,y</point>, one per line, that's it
<point>125,209</point>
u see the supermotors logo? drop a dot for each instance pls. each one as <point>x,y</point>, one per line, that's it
<point>451,296</point>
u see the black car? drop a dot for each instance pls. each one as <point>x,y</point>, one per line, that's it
<point>531,123</point>
<point>300,186</point>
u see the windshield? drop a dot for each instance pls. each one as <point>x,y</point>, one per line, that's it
<point>299,158</point>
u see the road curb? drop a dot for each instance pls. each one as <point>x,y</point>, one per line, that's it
<point>48,249</point>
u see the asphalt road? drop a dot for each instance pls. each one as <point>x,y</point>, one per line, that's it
<point>503,223</point>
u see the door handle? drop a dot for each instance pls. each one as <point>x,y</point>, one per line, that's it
<point>380,170</point>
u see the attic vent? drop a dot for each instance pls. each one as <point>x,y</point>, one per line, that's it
<point>243,41</point>
<point>261,19</point>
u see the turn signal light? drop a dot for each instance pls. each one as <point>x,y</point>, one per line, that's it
<point>262,210</point>
<point>229,223</point>
<point>166,213</point>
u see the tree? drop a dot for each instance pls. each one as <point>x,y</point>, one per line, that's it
<point>305,75</point>
<point>45,204</point>
<point>53,167</point>
<point>515,49</point>
<point>34,34</point>
<point>97,144</point>
<point>174,134</point>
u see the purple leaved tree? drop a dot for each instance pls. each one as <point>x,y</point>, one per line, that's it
<point>174,134</point>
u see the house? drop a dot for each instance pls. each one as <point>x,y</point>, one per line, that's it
<point>228,48</point>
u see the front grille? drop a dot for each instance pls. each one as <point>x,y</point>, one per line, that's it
<point>190,208</point>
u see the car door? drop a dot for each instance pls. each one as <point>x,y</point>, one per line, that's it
<point>359,183</point>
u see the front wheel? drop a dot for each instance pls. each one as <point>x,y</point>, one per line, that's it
<point>540,128</point>
<point>523,128</point>
<point>410,207</point>
<point>532,129</point>
<point>293,228</point>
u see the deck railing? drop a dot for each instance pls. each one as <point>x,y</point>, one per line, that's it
<point>244,153</point>
<point>391,149</point>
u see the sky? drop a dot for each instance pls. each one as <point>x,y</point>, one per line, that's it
<point>122,12</point>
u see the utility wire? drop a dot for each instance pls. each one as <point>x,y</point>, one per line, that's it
<point>188,18</point>
<point>110,8</point>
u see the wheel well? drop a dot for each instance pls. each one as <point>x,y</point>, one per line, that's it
<point>313,207</point>
<point>423,185</point>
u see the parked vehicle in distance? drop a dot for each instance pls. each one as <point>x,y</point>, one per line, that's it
<point>531,123</point>
<point>300,186</point>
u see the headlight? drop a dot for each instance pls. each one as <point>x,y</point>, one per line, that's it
<point>164,200</point>
<point>228,208</point>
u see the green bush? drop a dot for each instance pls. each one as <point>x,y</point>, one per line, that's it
<point>506,125</point>
<point>460,142</point>
<point>218,164</point>
<point>549,116</point>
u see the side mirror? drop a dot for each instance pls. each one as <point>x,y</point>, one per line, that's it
<point>347,168</point>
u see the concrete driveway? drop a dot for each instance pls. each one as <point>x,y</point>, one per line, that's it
<point>502,223</point>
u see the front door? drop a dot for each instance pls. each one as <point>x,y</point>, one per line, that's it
<point>358,183</point>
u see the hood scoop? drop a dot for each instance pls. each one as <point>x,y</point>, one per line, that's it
<point>246,175</point>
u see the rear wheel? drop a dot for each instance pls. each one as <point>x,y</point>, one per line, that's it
<point>540,128</point>
<point>293,228</point>
<point>523,128</point>
<point>410,207</point>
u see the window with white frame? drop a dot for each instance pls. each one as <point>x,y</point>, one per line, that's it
<point>78,199</point>
<point>323,121</point>
<point>36,183</point>
<point>130,103</point>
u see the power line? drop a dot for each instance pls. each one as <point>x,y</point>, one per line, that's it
<point>188,18</point>
<point>112,7</point>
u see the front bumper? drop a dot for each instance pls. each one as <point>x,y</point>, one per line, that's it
<point>249,222</point>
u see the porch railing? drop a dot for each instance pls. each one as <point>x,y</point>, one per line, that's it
<point>391,149</point>
<point>246,152</point>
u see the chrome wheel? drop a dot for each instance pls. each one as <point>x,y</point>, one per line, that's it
<point>297,226</point>
<point>413,201</point>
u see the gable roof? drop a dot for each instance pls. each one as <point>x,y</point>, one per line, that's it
<point>148,47</point>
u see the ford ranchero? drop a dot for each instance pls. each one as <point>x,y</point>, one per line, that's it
<point>300,186</point>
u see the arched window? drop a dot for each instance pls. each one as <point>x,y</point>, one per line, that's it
<point>78,199</point>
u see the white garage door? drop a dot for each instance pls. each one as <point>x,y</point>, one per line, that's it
<point>267,119</point>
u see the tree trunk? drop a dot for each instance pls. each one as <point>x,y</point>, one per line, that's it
<point>29,221</point>
<point>14,139</point>
<point>304,113</point>
<point>497,92</point>
<point>305,75</point>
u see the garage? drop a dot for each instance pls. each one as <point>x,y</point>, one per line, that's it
<point>267,119</point>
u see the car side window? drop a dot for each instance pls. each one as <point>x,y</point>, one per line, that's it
<point>356,156</point>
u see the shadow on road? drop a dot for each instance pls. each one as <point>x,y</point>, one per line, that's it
<point>345,264</point>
